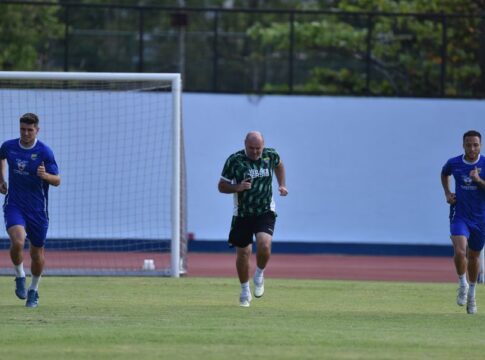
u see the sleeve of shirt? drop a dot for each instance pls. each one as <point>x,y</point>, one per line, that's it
<point>228,170</point>
<point>3,152</point>
<point>50,162</point>
<point>446,170</point>
<point>275,157</point>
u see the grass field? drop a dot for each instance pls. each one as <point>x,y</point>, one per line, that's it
<point>199,318</point>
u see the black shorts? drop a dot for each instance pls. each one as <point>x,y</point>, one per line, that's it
<point>243,228</point>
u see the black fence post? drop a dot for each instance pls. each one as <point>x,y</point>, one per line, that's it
<point>141,35</point>
<point>215,54</point>
<point>66,38</point>
<point>291,50</point>
<point>444,54</point>
<point>368,53</point>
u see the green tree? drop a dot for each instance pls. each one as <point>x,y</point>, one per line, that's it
<point>27,35</point>
<point>405,54</point>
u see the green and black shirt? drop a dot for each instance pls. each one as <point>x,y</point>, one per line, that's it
<point>259,199</point>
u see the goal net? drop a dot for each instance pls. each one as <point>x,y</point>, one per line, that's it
<point>117,139</point>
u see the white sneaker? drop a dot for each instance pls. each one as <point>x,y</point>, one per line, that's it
<point>258,288</point>
<point>461,298</point>
<point>471,306</point>
<point>245,299</point>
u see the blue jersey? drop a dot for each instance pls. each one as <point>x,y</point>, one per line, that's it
<point>26,190</point>
<point>470,197</point>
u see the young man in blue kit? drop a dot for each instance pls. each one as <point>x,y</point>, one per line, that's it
<point>31,169</point>
<point>467,218</point>
<point>248,175</point>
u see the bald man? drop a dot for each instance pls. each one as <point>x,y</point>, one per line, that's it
<point>248,175</point>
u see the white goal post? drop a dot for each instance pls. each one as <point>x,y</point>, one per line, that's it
<point>120,113</point>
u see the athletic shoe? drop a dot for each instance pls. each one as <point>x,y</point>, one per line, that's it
<point>471,306</point>
<point>20,290</point>
<point>462,295</point>
<point>32,298</point>
<point>258,288</point>
<point>245,300</point>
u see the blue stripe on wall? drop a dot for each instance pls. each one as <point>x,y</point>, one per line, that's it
<point>334,248</point>
<point>222,247</point>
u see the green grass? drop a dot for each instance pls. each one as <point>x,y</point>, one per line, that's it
<point>199,318</point>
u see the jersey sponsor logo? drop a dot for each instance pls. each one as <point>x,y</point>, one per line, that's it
<point>255,173</point>
<point>21,165</point>
<point>468,187</point>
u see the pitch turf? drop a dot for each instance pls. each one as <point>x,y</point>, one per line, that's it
<point>199,318</point>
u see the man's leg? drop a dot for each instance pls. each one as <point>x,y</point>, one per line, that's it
<point>461,264</point>
<point>243,256</point>
<point>473,269</point>
<point>263,244</point>
<point>17,241</point>
<point>37,266</point>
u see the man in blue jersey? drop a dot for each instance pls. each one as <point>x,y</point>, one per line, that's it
<point>467,217</point>
<point>248,175</point>
<point>31,169</point>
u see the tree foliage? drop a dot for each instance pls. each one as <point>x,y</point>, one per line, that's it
<point>361,48</point>
<point>27,35</point>
<point>377,47</point>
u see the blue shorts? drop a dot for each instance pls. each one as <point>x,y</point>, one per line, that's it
<point>35,223</point>
<point>475,233</point>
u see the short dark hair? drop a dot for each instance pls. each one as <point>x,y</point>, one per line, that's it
<point>472,133</point>
<point>29,118</point>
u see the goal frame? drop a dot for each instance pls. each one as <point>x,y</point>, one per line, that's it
<point>176,89</point>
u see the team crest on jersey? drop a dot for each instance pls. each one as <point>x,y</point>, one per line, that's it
<point>467,180</point>
<point>33,156</point>
<point>266,160</point>
<point>21,164</point>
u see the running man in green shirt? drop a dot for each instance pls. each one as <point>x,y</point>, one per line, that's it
<point>248,175</point>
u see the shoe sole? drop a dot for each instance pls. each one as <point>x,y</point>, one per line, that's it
<point>20,296</point>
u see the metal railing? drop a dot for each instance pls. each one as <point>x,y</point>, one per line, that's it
<point>269,51</point>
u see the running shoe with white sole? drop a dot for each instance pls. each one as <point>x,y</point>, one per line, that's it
<point>258,288</point>
<point>245,300</point>
<point>471,305</point>
<point>462,296</point>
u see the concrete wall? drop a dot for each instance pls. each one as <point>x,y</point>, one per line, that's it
<point>359,170</point>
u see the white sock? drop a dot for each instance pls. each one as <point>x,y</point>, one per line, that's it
<point>462,279</point>
<point>471,290</point>
<point>35,283</point>
<point>259,274</point>
<point>245,288</point>
<point>19,270</point>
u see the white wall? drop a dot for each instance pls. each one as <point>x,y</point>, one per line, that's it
<point>358,169</point>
